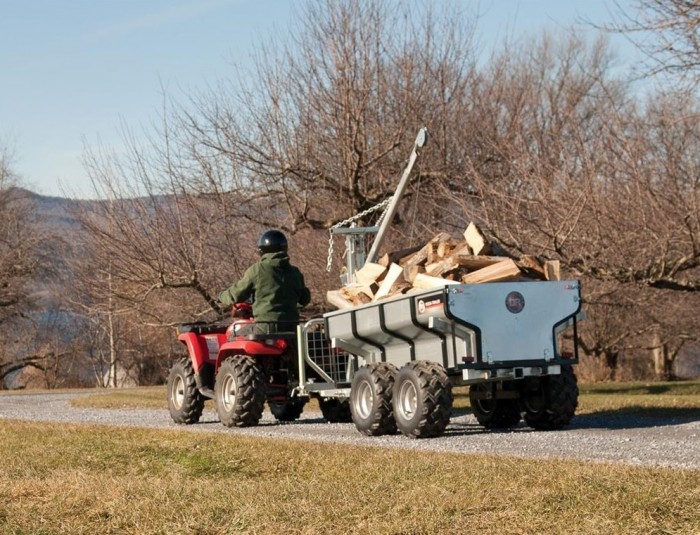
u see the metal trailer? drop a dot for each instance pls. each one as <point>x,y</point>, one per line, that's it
<point>395,361</point>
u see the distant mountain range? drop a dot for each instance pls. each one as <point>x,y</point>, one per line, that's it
<point>57,212</point>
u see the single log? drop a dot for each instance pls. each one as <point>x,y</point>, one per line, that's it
<point>552,270</point>
<point>426,282</point>
<point>531,266</point>
<point>391,279</point>
<point>369,273</point>
<point>402,255</point>
<point>410,272</point>
<point>505,269</point>
<point>334,297</point>
<point>472,262</point>
<point>475,239</point>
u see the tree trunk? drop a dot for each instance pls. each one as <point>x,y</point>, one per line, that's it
<point>112,377</point>
<point>657,352</point>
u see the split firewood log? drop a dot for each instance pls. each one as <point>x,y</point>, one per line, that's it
<point>552,270</point>
<point>393,277</point>
<point>531,267</point>
<point>503,270</point>
<point>476,240</point>
<point>370,273</point>
<point>426,282</point>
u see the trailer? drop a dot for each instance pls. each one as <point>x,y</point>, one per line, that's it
<point>396,360</point>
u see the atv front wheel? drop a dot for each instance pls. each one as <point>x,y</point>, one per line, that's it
<point>185,403</point>
<point>240,391</point>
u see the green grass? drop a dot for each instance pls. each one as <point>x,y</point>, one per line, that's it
<point>92,479</point>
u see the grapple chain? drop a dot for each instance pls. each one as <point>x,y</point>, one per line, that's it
<point>384,204</point>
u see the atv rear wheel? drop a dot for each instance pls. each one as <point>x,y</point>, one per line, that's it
<point>370,399</point>
<point>240,391</point>
<point>287,411</point>
<point>422,399</point>
<point>185,403</point>
<point>553,404</point>
<point>490,412</point>
<point>335,410</point>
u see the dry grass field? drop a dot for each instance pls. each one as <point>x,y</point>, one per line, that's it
<point>98,479</point>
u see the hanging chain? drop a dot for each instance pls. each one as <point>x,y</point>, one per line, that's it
<point>384,204</point>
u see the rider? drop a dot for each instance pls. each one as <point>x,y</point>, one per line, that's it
<point>276,286</point>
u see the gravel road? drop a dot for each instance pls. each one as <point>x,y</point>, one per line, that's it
<point>637,441</point>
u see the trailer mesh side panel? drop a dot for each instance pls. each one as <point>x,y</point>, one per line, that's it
<point>334,362</point>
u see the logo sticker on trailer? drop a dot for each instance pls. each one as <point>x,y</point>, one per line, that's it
<point>515,302</point>
<point>427,305</point>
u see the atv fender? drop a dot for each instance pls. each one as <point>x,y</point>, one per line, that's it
<point>202,349</point>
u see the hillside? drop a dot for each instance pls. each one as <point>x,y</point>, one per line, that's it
<point>57,212</point>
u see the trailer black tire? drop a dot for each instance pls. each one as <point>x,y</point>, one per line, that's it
<point>553,404</point>
<point>493,413</point>
<point>335,410</point>
<point>422,399</point>
<point>287,411</point>
<point>370,399</point>
<point>240,391</point>
<point>185,403</point>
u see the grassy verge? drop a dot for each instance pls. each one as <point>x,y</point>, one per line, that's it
<point>681,398</point>
<point>79,479</point>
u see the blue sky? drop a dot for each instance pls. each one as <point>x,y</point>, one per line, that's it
<point>74,73</point>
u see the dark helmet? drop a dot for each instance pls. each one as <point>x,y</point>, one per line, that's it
<point>272,241</point>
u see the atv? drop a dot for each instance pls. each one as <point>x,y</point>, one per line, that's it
<point>242,366</point>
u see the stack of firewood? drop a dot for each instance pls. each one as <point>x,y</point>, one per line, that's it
<point>443,260</point>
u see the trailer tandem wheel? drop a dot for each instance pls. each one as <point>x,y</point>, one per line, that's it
<point>240,391</point>
<point>185,403</point>
<point>422,399</point>
<point>370,399</point>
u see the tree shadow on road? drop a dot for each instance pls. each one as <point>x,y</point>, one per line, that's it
<point>633,417</point>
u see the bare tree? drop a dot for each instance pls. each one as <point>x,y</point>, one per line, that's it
<point>668,33</point>
<point>18,258</point>
<point>576,171</point>
<point>25,263</point>
<point>314,139</point>
<point>544,147</point>
<point>321,131</point>
<point>567,166</point>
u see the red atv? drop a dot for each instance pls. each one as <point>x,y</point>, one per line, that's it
<point>241,366</point>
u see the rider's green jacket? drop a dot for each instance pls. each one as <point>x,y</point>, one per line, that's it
<point>276,287</point>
